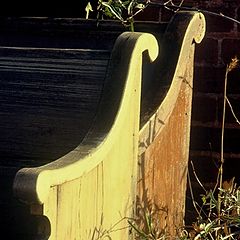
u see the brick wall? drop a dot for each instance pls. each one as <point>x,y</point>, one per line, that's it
<point>221,43</point>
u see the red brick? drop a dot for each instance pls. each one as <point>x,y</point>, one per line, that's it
<point>207,51</point>
<point>206,167</point>
<point>210,4</point>
<point>238,18</point>
<point>204,139</point>
<point>204,109</point>
<point>218,24</point>
<point>229,118</point>
<point>209,79</point>
<point>209,139</point>
<point>234,81</point>
<point>148,14</point>
<point>230,49</point>
<point>231,169</point>
<point>166,15</point>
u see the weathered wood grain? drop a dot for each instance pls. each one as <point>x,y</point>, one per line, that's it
<point>165,132</point>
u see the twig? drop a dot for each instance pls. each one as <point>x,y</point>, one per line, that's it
<point>231,108</point>
<point>217,182</point>
<point>229,18</point>
<point>166,3</point>
<point>195,174</point>
<point>222,148</point>
<point>223,126</point>
<point>192,196</point>
<point>179,7</point>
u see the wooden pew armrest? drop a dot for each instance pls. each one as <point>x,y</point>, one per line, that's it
<point>122,87</point>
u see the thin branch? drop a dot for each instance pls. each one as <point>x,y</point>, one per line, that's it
<point>178,6</point>
<point>166,3</point>
<point>192,196</point>
<point>222,148</point>
<point>217,182</point>
<point>223,127</point>
<point>175,7</point>
<point>231,108</point>
<point>229,18</point>
<point>136,13</point>
<point>195,174</point>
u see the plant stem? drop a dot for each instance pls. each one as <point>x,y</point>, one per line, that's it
<point>192,195</point>
<point>222,149</point>
<point>233,113</point>
<point>132,25</point>
<point>223,127</point>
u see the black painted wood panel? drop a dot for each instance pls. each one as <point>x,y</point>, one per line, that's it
<point>48,99</point>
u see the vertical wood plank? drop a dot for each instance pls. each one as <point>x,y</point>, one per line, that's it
<point>164,164</point>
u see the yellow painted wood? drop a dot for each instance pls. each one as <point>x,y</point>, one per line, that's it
<point>94,186</point>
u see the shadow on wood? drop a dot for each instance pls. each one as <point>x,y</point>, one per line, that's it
<point>71,110</point>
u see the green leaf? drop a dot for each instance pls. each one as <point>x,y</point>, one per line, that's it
<point>112,10</point>
<point>204,199</point>
<point>138,231</point>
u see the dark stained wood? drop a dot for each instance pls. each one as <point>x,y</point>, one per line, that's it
<point>48,100</point>
<point>67,32</point>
